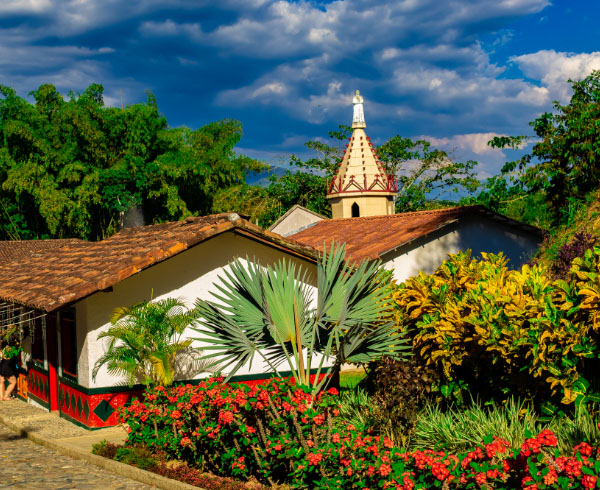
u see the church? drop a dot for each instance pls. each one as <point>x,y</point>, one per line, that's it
<point>363,217</point>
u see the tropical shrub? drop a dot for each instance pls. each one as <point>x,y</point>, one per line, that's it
<point>268,313</point>
<point>282,433</point>
<point>458,429</point>
<point>398,390</point>
<point>145,344</point>
<point>496,332</point>
<point>271,431</point>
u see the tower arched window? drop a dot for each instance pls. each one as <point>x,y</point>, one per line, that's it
<point>355,211</point>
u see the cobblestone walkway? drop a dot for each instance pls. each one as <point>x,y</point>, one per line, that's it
<point>26,465</point>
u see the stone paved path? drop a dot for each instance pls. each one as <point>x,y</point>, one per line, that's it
<point>26,465</point>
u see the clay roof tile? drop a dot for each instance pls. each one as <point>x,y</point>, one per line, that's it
<point>50,275</point>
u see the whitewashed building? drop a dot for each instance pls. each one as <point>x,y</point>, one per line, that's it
<point>64,292</point>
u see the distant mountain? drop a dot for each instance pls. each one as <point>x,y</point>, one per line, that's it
<point>262,178</point>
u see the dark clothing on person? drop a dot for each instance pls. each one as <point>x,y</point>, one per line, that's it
<point>8,368</point>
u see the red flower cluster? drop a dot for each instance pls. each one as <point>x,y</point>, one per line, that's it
<point>279,432</point>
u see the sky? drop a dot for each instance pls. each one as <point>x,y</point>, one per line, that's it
<point>455,72</point>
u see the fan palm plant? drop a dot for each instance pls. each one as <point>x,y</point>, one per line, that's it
<point>145,341</point>
<point>269,314</point>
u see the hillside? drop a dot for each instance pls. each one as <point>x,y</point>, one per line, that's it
<point>572,239</point>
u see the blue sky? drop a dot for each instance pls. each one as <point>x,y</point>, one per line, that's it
<point>454,71</point>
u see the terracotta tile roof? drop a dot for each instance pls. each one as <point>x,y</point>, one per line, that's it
<point>56,277</point>
<point>18,249</point>
<point>371,237</point>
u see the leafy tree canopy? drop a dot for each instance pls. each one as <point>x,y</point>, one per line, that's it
<point>71,168</point>
<point>564,163</point>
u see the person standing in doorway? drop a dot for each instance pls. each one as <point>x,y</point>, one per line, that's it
<point>10,349</point>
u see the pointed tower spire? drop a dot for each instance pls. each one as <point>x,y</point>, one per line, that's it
<point>361,187</point>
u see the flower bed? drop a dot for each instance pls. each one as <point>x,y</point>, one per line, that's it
<point>279,433</point>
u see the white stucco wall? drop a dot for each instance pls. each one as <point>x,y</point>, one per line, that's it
<point>477,234</point>
<point>188,275</point>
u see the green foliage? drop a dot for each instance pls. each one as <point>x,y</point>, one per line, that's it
<point>10,342</point>
<point>145,343</point>
<point>427,177</point>
<point>305,188</point>
<point>140,456</point>
<point>71,168</point>
<point>281,433</point>
<point>236,430</point>
<point>509,197</point>
<point>457,429</point>
<point>498,332</point>
<point>564,163</point>
<point>105,449</point>
<point>424,173</point>
<point>267,313</point>
<point>356,407</point>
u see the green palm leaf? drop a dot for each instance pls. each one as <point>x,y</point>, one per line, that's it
<point>268,313</point>
<point>144,341</point>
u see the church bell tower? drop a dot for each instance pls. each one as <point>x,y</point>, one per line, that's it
<point>361,186</point>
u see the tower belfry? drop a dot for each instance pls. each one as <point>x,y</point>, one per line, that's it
<point>361,186</point>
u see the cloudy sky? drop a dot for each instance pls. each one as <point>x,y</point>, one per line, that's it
<point>454,71</point>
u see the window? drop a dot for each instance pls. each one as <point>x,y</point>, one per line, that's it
<point>355,211</point>
<point>68,342</point>
<point>37,344</point>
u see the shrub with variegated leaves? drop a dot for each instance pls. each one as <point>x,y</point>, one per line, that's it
<point>497,332</point>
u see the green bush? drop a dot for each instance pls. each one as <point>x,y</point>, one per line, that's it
<point>105,449</point>
<point>497,333</point>
<point>138,455</point>
<point>457,429</point>
<point>283,434</point>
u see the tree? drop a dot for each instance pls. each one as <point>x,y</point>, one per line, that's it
<point>424,174</point>
<point>267,313</point>
<point>71,168</point>
<point>564,163</point>
<point>185,179</point>
<point>145,343</point>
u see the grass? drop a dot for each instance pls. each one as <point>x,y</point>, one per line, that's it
<point>350,379</point>
<point>461,429</point>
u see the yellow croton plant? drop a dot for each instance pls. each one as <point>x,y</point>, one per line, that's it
<point>505,332</point>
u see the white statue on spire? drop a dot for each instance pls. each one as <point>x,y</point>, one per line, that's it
<point>358,117</point>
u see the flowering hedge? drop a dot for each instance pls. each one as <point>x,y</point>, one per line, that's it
<point>278,432</point>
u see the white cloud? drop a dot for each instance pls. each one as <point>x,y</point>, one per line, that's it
<point>554,68</point>
<point>270,88</point>
<point>474,142</point>
<point>25,6</point>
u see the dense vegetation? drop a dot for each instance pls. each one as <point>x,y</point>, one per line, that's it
<point>283,433</point>
<point>492,333</point>
<point>72,168</point>
<point>549,185</point>
<point>498,355</point>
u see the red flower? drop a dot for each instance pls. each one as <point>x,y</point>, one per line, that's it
<point>588,481</point>
<point>314,459</point>
<point>225,417</point>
